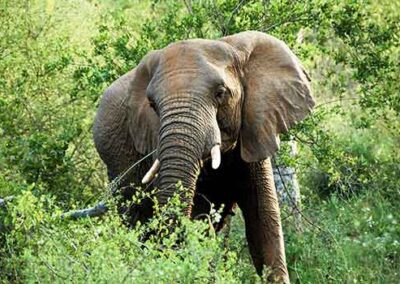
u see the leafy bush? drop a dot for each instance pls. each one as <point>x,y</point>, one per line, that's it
<point>46,248</point>
<point>45,129</point>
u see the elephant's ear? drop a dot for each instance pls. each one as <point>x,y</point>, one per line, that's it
<point>143,122</point>
<point>277,92</point>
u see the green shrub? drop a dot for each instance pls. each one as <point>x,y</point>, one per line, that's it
<point>46,248</point>
<point>352,241</point>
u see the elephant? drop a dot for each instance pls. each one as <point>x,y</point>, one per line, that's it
<point>213,110</point>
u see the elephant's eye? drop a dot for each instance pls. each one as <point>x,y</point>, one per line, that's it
<point>221,93</point>
<point>152,105</point>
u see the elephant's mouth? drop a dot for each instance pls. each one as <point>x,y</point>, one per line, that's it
<point>212,153</point>
<point>215,156</point>
<point>228,143</point>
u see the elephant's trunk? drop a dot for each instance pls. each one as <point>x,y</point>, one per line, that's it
<point>184,137</point>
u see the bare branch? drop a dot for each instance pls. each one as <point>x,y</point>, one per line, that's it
<point>188,4</point>
<point>336,101</point>
<point>53,270</point>
<point>234,13</point>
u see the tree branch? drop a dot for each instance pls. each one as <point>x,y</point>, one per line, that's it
<point>234,13</point>
<point>188,4</point>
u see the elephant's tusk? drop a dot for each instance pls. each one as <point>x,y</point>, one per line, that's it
<point>215,156</point>
<point>152,172</point>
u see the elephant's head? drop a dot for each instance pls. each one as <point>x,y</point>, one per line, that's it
<point>195,97</point>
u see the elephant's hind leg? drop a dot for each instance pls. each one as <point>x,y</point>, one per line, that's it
<point>261,212</point>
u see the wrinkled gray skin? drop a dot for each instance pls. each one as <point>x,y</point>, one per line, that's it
<point>240,92</point>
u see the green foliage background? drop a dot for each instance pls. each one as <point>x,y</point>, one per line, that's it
<point>56,58</point>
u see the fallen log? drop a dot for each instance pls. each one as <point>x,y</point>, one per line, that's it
<point>95,211</point>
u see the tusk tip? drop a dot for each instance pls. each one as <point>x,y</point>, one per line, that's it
<point>145,180</point>
<point>215,165</point>
<point>152,172</point>
<point>215,157</point>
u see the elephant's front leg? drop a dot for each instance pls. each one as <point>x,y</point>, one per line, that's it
<point>262,217</point>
